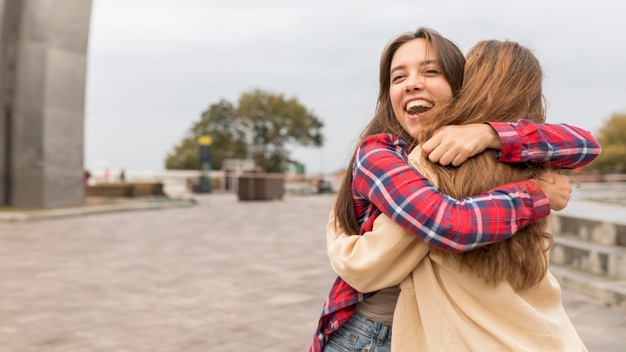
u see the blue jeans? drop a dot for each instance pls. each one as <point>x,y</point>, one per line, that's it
<point>360,334</point>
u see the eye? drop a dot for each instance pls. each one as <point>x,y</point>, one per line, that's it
<point>397,78</point>
<point>431,72</point>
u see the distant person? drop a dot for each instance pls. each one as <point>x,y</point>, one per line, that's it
<point>497,298</point>
<point>86,176</point>
<point>122,176</point>
<point>419,71</point>
<point>106,175</point>
<point>228,179</point>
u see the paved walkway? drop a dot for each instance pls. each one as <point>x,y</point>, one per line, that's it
<point>222,275</point>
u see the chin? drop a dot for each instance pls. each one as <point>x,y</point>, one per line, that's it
<point>414,128</point>
<point>414,132</point>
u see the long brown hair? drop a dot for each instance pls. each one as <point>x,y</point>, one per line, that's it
<point>502,83</point>
<point>451,60</point>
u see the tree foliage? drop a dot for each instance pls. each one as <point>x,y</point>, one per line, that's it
<point>612,138</point>
<point>273,121</point>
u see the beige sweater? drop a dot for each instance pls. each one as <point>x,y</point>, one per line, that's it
<point>444,308</point>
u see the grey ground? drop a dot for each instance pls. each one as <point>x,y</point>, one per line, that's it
<point>222,275</point>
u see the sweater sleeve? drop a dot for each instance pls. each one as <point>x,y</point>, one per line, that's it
<point>561,145</point>
<point>378,259</point>
<point>383,177</point>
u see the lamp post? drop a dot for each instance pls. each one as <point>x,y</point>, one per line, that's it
<point>205,163</point>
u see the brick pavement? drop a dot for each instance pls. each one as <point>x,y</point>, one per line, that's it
<point>223,275</point>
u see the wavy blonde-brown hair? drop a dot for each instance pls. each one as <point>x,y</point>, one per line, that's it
<point>502,83</point>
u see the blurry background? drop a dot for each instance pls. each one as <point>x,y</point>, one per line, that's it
<point>154,67</point>
<point>222,273</point>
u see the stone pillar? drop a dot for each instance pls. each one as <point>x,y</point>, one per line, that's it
<point>43,91</point>
<point>7,27</point>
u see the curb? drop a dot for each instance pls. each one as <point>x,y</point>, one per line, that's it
<point>93,209</point>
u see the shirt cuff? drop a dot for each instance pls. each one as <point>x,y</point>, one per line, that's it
<point>511,142</point>
<point>541,205</point>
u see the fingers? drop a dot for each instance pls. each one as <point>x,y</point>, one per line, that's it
<point>453,145</point>
<point>435,151</point>
<point>429,146</point>
<point>562,188</point>
<point>449,157</point>
<point>438,155</point>
<point>459,159</point>
<point>445,150</point>
<point>562,203</point>
<point>558,189</point>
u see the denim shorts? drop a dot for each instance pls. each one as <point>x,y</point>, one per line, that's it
<point>360,334</point>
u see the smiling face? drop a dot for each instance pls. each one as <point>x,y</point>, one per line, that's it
<point>417,83</point>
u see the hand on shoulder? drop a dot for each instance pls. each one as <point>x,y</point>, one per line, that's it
<point>452,145</point>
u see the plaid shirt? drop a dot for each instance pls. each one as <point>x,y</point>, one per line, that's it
<point>383,182</point>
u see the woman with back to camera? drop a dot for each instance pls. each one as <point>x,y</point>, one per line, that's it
<point>380,180</point>
<point>497,298</point>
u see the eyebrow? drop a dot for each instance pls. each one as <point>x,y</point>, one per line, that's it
<point>422,63</point>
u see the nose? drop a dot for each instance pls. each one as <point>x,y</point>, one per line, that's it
<point>415,83</point>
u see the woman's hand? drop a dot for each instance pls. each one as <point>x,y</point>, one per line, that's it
<point>557,188</point>
<point>455,144</point>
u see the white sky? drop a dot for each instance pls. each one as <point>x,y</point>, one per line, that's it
<point>154,66</point>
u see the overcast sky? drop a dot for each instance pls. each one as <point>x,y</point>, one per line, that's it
<point>154,66</point>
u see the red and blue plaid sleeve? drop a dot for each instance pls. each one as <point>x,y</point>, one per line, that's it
<point>561,145</point>
<point>383,177</point>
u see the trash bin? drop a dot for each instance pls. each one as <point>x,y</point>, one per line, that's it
<point>324,186</point>
<point>257,186</point>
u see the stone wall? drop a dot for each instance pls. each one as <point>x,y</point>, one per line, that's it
<point>589,256</point>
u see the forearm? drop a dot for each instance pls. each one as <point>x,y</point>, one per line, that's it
<point>378,259</point>
<point>560,145</point>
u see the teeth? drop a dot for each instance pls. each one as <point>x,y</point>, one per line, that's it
<point>418,106</point>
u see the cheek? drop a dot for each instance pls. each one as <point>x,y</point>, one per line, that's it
<point>441,90</point>
<point>396,99</point>
<point>445,92</point>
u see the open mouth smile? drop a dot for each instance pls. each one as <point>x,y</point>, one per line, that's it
<point>415,107</point>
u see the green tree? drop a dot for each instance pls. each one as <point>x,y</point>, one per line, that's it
<point>612,138</point>
<point>219,123</point>
<point>272,121</point>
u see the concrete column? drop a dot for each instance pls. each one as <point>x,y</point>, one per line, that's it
<point>47,106</point>
<point>9,16</point>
